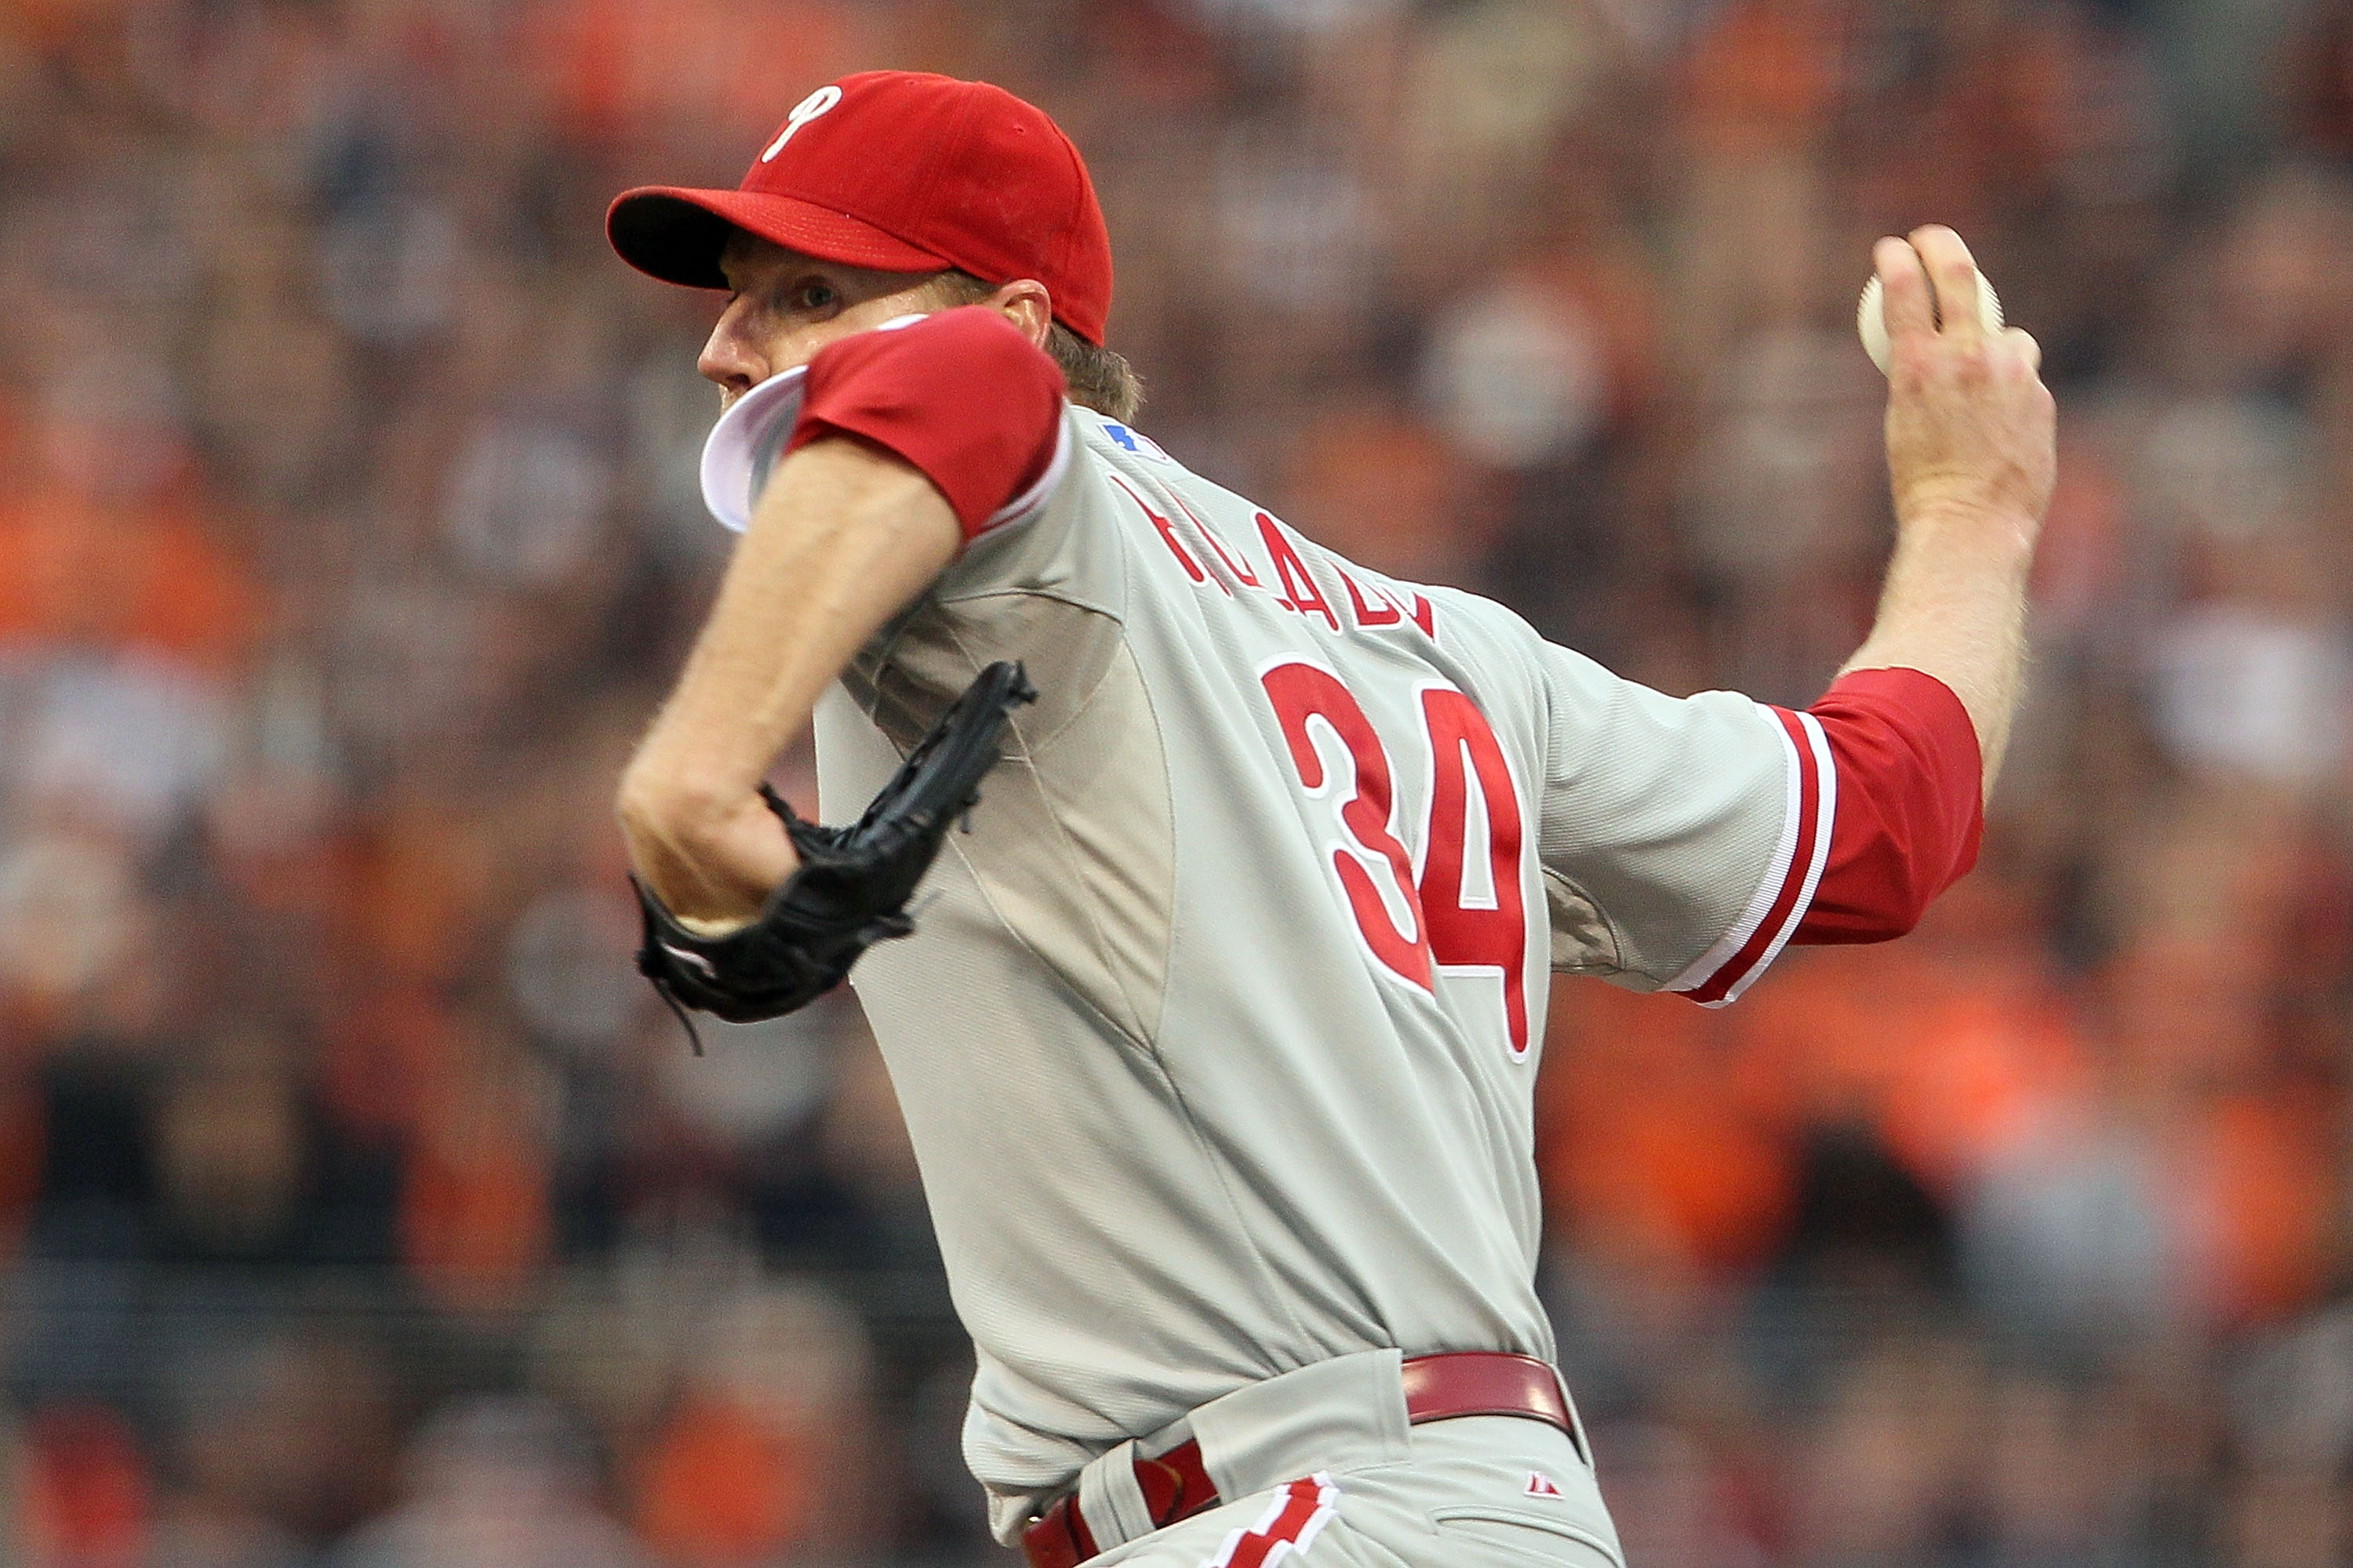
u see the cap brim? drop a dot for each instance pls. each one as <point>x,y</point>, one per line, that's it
<point>675,234</point>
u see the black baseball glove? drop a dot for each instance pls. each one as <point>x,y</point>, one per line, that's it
<point>851,888</point>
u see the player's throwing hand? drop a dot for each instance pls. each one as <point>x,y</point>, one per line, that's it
<point>1971,430</point>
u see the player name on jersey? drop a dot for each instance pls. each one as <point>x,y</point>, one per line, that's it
<point>1293,586</point>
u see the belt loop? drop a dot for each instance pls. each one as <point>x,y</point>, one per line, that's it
<point>1111,1499</point>
<point>1576,1421</point>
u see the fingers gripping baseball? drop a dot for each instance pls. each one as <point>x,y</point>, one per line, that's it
<point>2027,346</point>
<point>1970,427</point>
<point>1953,276</point>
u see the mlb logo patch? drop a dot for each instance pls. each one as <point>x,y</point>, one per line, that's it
<point>1543,1486</point>
<point>1135,441</point>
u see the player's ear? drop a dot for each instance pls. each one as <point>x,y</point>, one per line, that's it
<point>1030,307</point>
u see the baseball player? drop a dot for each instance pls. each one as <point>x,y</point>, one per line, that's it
<point>1217,1039</point>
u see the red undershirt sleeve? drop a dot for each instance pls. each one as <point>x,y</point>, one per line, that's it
<point>961,395</point>
<point>1910,804</point>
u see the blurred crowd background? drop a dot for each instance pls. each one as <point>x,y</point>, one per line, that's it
<point>360,1208</point>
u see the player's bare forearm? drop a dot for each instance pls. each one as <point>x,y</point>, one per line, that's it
<point>1972,456</point>
<point>845,537</point>
<point>1955,606</point>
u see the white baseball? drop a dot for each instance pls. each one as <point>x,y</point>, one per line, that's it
<point>1871,317</point>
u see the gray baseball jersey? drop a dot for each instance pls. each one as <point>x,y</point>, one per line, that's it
<point>1217,1036</point>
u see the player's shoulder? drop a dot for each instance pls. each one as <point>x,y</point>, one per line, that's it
<point>1222,540</point>
<point>1126,466</point>
<point>1493,623</point>
<point>1201,537</point>
<point>1119,442</point>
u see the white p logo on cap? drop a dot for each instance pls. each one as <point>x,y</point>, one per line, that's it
<point>818,102</point>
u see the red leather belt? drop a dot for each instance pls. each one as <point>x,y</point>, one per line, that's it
<point>1437,1388</point>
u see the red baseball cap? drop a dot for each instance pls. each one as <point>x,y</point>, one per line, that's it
<point>904,172</point>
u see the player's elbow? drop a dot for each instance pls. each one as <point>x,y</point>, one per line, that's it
<point>1910,807</point>
<point>1889,860</point>
<point>1900,918</point>
<point>1884,912</point>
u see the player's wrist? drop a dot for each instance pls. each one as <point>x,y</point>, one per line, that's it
<point>1990,526</point>
<point>708,860</point>
<point>687,813</point>
<point>655,802</point>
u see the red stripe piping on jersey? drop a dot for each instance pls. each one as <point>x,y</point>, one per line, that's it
<point>1290,1525</point>
<point>1782,916</point>
<point>1811,740</point>
<point>1769,883</point>
<point>1817,807</point>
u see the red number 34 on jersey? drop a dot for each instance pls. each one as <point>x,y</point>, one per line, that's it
<point>1456,905</point>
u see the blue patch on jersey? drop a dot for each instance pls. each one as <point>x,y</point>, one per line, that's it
<point>1135,441</point>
